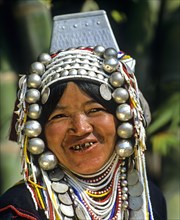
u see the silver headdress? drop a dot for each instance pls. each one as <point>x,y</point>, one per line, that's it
<point>101,63</point>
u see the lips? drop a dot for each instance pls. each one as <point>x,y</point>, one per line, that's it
<point>80,147</point>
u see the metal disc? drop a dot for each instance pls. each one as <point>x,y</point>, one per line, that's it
<point>136,215</point>
<point>45,95</point>
<point>67,210</point>
<point>136,190</point>
<point>105,92</point>
<point>135,203</point>
<point>80,214</point>
<point>56,175</point>
<point>65,198</point>
<point>59,187</point>
<point>132,177</point>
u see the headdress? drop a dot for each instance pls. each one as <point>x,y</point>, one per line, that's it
<point>113,71</point>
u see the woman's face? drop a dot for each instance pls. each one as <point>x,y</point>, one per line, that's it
<point>80,132</point>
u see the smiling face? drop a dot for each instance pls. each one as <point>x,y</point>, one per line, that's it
<point>80,131</point>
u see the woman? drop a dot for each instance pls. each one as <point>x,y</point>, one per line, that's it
<point>80,124</point>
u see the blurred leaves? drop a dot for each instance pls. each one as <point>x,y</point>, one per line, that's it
<point>164,131</point>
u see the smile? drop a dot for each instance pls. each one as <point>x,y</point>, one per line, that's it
<point>82,146</point>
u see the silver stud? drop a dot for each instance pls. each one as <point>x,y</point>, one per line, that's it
<point>36,146</point>
<point>116,79</point>
<point>32,95</point>
<point>45,58</point>
<point>32,128</point>
<point>34,111</point>
<point>123,112</point>
<point>125,130</point>
<point>33,81</point>
<point>110,52</point>
<point>47,161</point>
<point>99,50</point>
<point>37,68</point>
<point>110,65</point>
<point>124,148</point>
<point>65,73</point>
<point>72,72</point>
<point>120,95</point>
<point>124,196</point>
<point>91,73</point>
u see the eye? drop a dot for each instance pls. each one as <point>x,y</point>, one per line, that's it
<point>58,116</point>
<point>94,110</point>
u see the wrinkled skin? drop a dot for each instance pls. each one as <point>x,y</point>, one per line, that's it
<point>78,120</point>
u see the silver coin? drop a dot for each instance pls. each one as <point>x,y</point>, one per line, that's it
<point>59,187</point>
<point>56,175</point>
<point>80,214</point>
<point>67,218</point>
<point>45,95</point>
<point>105,92</point>
<point>65,198</point>
<point>132,177</point>
<point>136,215</point>
<point>67,210</point>
<point>136,190</point>
<point>135,203</point>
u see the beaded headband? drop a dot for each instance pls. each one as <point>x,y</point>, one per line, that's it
<point>106,67</point>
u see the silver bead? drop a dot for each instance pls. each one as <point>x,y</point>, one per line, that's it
<point>47,161</point>
<point>32,128</point>
<point>110,52</point>
<point>124,189</point>
<point>37,68</point>
<point>124,183</point>
<point>116,79</point>
<point>73,72</point>
<point>110,65</point>
<point>91,73</point>
<point>123,176</point>
<point>34,111</point>
<point>99,50</point>
<point>45,58</point>
<point>33,81</point>
<point>124,148</point>
<point>36,146</point>
<point>120,95</point>
<point>82,72</point>
<point>123,112</point>
<point>124,196</point>
<point>125,204</point>
<point>125,130</point>
<point>32,95</point>
<point>65,73</point>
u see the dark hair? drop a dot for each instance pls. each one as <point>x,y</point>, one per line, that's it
<point>56,91</point>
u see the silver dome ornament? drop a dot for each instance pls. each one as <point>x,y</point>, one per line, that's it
<point>110,65</point>
<point>110,52</point>
<point>45,58</point>
<point>124,112</point>
<point>72,72</point>
<point>124,148</point>
<point>125,130</point>
<point>82,72</point>
<point>47,161</point>
<point>32,128</point>
<point>36,146</point>
<point>37,68</point>
<point>116,79</point>
<point>34,111</point>
<point>99,50</point>
<point>33,81</point>
<point>32,95</point>
<point>120,95</point>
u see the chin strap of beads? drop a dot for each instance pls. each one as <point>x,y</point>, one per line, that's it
<point>113,71</point>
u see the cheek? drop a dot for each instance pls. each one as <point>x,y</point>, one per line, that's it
<point>52,133</point>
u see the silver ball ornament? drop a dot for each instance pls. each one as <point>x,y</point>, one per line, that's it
<point>110,65</point>
<point>99,50</point>
<point>124,112</point>
<point>45,58</point>
<point>73,72</point>
<point>37,68</point>
<point>33,81</point>
<point>47,161</point>
<point>34,111</point>
<point>32,128</point>
<point>124,148</point>
<point>110,52</point>
<point>120,95</point>
<point>36,146</point>
<point>125,130</point>
<point>116,79</point>
<point>82,72</point>
<point>32,95</point>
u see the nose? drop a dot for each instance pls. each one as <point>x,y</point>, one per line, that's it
<point>80,125</point>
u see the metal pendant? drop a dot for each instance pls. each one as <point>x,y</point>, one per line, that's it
<point>80,214</point>
<point>105,92</point>
<point>56,175</point>
<point>132,177</point>
<point>136,215</point>
<point>65,198</point>
<point>135,203</point>
<point>136,190</point>
<point>59,187</point>
<point>67,210</point>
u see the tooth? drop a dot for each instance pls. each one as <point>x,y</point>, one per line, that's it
<point>86,145</point>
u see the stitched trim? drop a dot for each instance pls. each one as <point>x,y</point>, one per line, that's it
<point>19,212</point>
